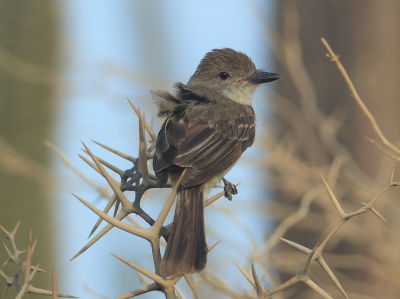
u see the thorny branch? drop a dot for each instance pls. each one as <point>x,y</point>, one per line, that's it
<point>24,269</point>
<point>316,253</point>
<point>138,179</point>
<point>371,118</point>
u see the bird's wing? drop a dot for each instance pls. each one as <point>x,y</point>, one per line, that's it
<point>206,148</point>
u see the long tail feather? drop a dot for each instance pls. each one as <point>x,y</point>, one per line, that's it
<point>186,250</point>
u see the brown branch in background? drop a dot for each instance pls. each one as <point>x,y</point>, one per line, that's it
<point>294,170</point>
<point>371,118</point>
<point>16,164</point>
<point>27,71</point>
<point>102,191</point>
<point>316,253</point>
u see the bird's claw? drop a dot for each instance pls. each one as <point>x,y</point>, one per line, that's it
<point>229,189</point>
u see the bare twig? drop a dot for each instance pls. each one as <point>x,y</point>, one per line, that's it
<point>371,118</point>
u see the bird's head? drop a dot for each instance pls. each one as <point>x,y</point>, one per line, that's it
<point>228,73</point>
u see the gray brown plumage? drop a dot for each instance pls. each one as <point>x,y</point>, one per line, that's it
<point>207,127</point>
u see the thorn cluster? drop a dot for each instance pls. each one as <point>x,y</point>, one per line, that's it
<point>24,268</point>
<point>137,179</point>
<point>315,254</point>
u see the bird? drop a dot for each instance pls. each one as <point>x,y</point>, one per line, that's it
<point>208,124</point>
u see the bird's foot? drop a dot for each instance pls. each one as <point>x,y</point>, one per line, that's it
<point>229,189</point>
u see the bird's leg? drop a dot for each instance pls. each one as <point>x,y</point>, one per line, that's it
<point>229,189</point>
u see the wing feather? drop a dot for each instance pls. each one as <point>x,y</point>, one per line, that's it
<point>204,144</point>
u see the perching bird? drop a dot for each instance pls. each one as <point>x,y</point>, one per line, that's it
<point>209,124</point>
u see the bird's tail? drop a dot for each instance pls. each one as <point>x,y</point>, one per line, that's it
<point>186,250</point>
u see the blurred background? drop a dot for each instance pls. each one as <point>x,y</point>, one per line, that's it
<point>67,67</point>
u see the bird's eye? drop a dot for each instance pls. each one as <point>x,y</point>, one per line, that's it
<point>223,75</point>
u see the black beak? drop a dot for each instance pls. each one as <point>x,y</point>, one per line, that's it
<point>262,77</point>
